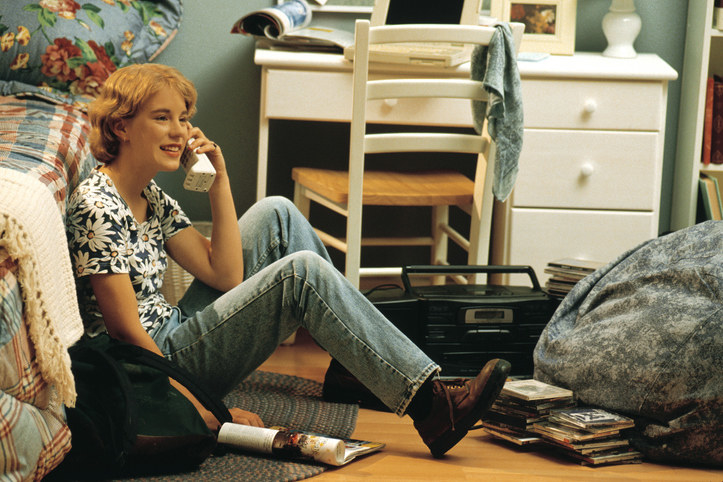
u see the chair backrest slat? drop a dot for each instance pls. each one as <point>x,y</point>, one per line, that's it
<point>424,142</point>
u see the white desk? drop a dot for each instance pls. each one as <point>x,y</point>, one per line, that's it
<point>591,164</point>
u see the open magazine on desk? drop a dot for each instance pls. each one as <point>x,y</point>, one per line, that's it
<point>287,26</point>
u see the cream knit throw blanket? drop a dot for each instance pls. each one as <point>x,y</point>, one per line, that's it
<point>33,233</point>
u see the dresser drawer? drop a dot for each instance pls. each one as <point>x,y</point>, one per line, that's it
<point>331,99</point>
<point>537,236</point>
<point>578,104</point>
<point>588,170</point>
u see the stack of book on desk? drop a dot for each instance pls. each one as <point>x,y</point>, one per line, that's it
<point>530,412</point>
<point>591,435</point>
<point>520,405</point>
<point>566,273</point>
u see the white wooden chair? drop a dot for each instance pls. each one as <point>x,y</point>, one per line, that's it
<point>346,192</point>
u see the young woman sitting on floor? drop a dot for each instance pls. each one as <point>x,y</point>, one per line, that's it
<point>257,280</point>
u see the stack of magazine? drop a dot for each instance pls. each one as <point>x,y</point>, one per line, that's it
<point>520,405</point>
<point>565,273</point>
<point>591,435</point>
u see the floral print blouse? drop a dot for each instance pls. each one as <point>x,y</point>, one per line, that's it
<point>104,237</point>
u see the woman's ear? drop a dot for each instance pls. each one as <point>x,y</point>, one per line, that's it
<point>118,126</point>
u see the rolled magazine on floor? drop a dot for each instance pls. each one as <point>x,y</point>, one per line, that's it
<point>294,444</point>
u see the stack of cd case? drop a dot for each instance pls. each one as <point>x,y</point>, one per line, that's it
<point>592,436</point>
<point>520,405</point>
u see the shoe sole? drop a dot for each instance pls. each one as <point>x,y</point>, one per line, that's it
<point>492,389</point>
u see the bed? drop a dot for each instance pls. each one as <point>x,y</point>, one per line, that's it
<point>54,56</point>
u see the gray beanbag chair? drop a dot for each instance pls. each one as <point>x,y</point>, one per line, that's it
<point>644,336</point>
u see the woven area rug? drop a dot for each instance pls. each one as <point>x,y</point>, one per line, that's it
<point>280,400</point>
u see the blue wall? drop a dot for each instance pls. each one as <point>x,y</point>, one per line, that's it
<point>221,65</point>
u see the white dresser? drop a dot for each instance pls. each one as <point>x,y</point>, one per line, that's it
<point>591,164</point>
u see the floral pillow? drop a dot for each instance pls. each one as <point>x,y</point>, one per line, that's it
<point>65,49</point>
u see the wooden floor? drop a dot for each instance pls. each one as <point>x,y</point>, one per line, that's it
<point>477,457</point>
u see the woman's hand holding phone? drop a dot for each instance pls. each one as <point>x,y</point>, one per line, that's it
<point>200,172</point>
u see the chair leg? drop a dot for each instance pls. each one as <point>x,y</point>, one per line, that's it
<point>354,225</point>
<point>440,217</point>
<point>482,207</point>
<point>302,203</point>
<point>440,246</point>
<point>353,261</point>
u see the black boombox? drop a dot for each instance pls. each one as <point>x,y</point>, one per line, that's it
<point>462,326</point>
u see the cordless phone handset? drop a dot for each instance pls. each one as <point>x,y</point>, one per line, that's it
<point>199,170</point>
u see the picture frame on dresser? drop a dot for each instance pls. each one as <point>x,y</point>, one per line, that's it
<point>549,24</point>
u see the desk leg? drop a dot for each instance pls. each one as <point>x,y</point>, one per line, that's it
<point>263,154</point>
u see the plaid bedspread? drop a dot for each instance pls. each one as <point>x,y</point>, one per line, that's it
<point>33,435</point>
<point>47,142</point>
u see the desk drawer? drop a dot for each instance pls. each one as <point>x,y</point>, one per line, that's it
<point>577,104</point>
<point>330,100</point>
<point>432,112</point>
<point>538,236</point>
<point>588,170</point>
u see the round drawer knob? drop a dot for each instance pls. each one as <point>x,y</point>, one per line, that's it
<point>390,102</point>
<point>590,106</point>
<point>587,169</point>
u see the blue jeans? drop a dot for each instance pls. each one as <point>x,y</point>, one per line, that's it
<point>289,283</point>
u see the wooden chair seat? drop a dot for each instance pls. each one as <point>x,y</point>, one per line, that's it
<point>417,188</point>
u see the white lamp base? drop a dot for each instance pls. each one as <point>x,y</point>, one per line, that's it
<point>621,26</point>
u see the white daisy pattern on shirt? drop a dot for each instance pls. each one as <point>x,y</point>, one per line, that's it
<point>104,237</point>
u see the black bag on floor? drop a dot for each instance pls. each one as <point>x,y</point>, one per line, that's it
<point>128,419</point>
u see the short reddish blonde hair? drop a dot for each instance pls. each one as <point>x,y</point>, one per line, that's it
<point>123,94</point>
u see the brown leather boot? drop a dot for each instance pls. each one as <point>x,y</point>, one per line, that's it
<point>458,404</point>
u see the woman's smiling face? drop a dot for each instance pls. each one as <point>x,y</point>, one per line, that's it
<point>156,136</point>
